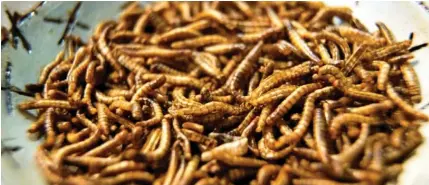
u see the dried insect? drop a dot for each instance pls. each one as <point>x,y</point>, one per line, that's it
<point>158,114</point>
<point>236,148</point>
<point>193,126</point>
<point>175,80</point>
<point>150,86</point>
<point>354,59</point>
<point>299,43</point>
<point>267,172</point>
<point>44,103</point>
<point>280,78</point>
<point>274,95</point>
<point>199,42</point>
<point>286,104</point>
<point>245,67</point>
<point>164,144</point>
<point>403,105</point>
<point>203,61</point>
<point>225,48</point>
<point>346,118</point>
<point>119,139</point>
<point>412,82</point>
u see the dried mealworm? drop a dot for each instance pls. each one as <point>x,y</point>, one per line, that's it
<point>412,82</point>
<point>290,101</point>
<point>347,118</point>
<point>44,103</point>
<point>199,138</point>
<point>373,108</point>
<point>127,177</point>
<point>299,43</point>
<point>266,173</point>
<point>225,48</point>
<point>119,139</point>
<point>157,52</point>
<point>245,67</point>
<point>354,150</point>
<point>164,143</point>
<point>394,96</point>
<point>211,107</point>
<point>281,77</point>
<point>203,61</point>
<point>236,148</point>
<point>59,156</point>
<point>47,69</point>
<point>103,120</point>
<point>354,59</point>
<point>121,167</point>
<point>175,80</point>
<point>274,95</point>
<point>199,42</point>
<point>193,126</point>
<point>239,161</point>
<point>156,118</point>
<point>320,130</point>
<point>150,86</point>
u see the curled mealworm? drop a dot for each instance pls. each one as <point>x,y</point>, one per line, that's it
<point>339,120</point>
<point>150,86</point>
<point>119,139</point>
<point>69,149</point>
<point>373,108</point>
<point>156,118</point>
<point>164,144</point>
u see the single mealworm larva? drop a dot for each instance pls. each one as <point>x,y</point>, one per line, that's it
<point>354,59</point>
<point>150,86</point>
<point>48,68</point>
<point>299,43</point>
<point>266,173</point>
<point>348,118</point>
<point>193,126</point>
<point>126,177</point>
<point>203,60</point>
<point>239,161</point>
<point>236,148</point>
<point>199,138</point>
<point>158,114</point>
<point>59,156</point>
<point>164,144</point>
<point>199,42</point>
<point>274,95</point>
<point>245,68</point>
<point>412,82</point>
<point>121,167</point>
<point>290,101</point>
<point>373,108</point>
<point>119,139</point>
<point>403,105</point>
<point>211,107</point>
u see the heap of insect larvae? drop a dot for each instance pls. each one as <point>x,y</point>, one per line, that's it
<point>228,93</point>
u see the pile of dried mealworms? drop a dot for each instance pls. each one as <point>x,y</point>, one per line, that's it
<point>228,92</point>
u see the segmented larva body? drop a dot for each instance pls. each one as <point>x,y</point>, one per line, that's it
<point>266,173</point>
<point>346,118</point>
<point>403,105</point>
<point>304,122</point>
<point>164,143</point>
<point>199,42</point>
<point>246,67</point>
<point>286,104</point>
<point>281,77</point>
<point>237,148</point>
<point>274,95</point>
<point>150,86</point>
<point>412,81</point>
<point>299,43</point>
